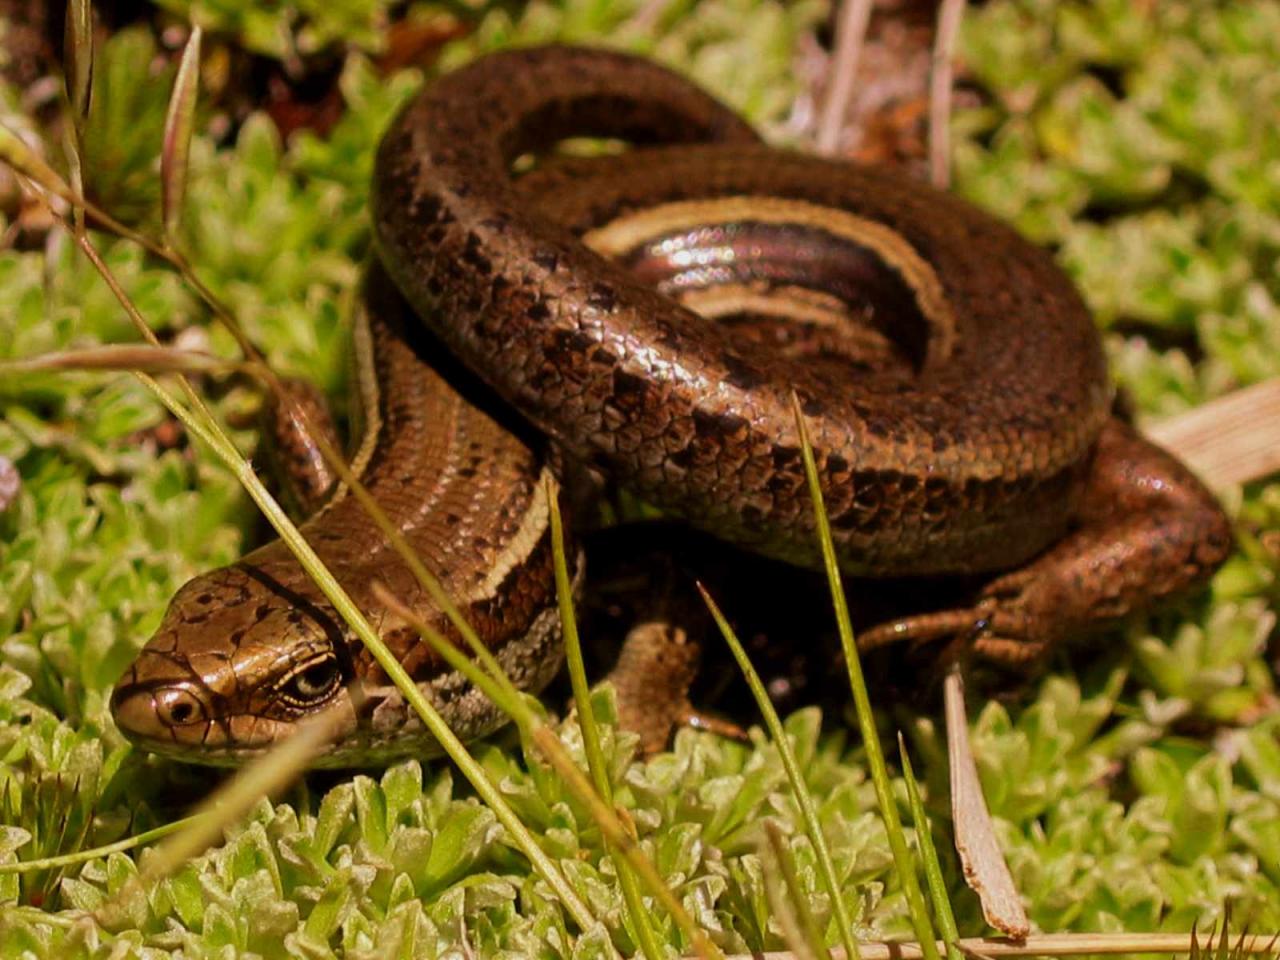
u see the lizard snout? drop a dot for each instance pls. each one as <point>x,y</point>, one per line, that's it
<point>157,710</point>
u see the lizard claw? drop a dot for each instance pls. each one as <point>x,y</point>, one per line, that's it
<point>921,629</point>
<point>995,628</point>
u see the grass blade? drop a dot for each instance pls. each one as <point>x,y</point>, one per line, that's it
<point>611,826</point>
<point>791,897</point>
<point>929,854</point>
<point>1224,940</point>
<point>587,722</point>
<point>862,704</point>
<point>93,853</point>
<point>77,48</point>
<point>804,799</point>
<point>15,152</point>
<point>266,775</point>
<point>179,124</point>
<point>350,613</point>
<point>201,424</point>
<point>77,51</point>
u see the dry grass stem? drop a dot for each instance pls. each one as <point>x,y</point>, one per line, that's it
<point>851,30</point>
<point>268,774</point>
<point>905,863</point>
<point>121,357</point>
<point>1233,439</point>
<point>618,834</point>
<point>200,422</point>
<point>985,870</point>
<point>944,44</point>
<point>1045,945</point>
<point>179,125</point>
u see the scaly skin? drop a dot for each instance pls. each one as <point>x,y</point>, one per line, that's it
<point>976,464</point>
<point>246,652</point>
<point>951,378</point>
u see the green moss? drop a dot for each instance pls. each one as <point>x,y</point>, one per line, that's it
<point>1134,789</point>
<point>287,30</point>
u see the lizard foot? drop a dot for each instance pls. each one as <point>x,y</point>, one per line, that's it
<point>1146,530</point>
<point>655,669</point>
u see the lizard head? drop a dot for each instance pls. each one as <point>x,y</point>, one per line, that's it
<point>234,667</point>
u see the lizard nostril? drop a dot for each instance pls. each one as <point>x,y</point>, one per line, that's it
<point>177,707</point>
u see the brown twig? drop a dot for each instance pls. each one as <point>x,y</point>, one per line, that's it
<point>1233,439</point>
<point>851,30</point>
<point>940,76</point>
<point>1046,945</point>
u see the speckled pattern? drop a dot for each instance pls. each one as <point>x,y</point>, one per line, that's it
<point>219,680</point>
<point>990,449</point>
<point>978,462</point>
<point>969,467</point>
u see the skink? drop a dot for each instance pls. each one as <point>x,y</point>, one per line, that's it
<point>651,313</point>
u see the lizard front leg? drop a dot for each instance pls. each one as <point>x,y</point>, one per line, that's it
<point>1147,529</point>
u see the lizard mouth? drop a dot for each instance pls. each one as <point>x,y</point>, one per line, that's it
<point>172,712</point>
<point>175,720</point>
<point>184,721</point>
<point>145,714</point>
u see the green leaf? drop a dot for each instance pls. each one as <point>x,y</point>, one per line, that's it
<point>179,125</point>
<point>78,57</point>
<point>460,842</point>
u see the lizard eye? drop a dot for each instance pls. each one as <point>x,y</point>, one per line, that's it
<point>312,683</point>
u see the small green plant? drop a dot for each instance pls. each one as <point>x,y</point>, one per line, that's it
<point>1135,789</point>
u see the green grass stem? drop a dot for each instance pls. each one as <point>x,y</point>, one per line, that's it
<point>352,615</point>
<point>862,705</point>
<point>809,932</point>
<point>202,425</point>
<point>93,853</point>
<point>596,763</point>
<point>615,832</point>
<point>804,799</point>
<point>211,435</point>
<point>929,855</point>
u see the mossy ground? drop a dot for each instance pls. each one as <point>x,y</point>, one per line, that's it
<point>1136,789</point>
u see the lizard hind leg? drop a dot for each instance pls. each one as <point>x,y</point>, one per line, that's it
<point>1147,530</point>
